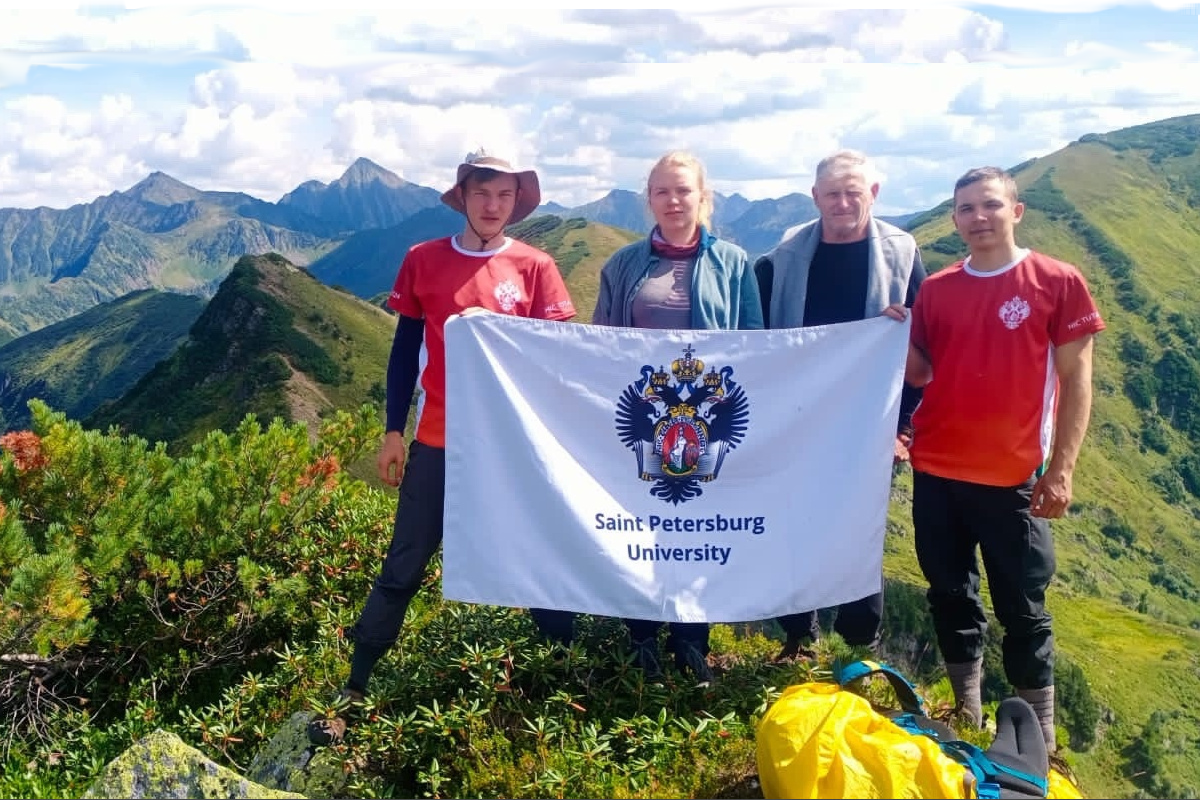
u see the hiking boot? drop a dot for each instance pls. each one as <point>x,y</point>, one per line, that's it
<point>959,717</point>
<point>324,731</point>
<point>793,649</point>
<point>646,652</point>
<point>690,659</point>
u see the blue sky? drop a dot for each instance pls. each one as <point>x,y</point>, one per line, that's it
<point>1122,26</point>
<point>261,97</point>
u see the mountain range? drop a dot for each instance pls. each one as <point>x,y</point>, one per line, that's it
<point>159,234</point>
<point>163,234</point>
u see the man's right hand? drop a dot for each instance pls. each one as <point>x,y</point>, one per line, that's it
<point>917,369</point>
<point>391,458</point>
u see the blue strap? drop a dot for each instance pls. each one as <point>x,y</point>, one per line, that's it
<point>988,771</point>
<point>916,724</point>
<point>906,693</point>
<point>987,791</point>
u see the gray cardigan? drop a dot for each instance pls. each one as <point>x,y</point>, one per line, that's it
<point>893,256</point>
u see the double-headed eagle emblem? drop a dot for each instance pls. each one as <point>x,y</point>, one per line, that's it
<point>681,424</point>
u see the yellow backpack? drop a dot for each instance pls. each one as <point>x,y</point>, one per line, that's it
<point>820,740</point>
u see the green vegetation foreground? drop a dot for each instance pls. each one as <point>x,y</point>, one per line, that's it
<point>208,595</point>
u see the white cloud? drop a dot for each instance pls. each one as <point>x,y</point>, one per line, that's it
<point>266,87</point>
<point>163,31</point>
<point>260,99</point>
<point>416,139</point>
<point>12,69</point>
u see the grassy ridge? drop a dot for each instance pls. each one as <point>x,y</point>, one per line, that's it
<point>79,363</point>
<point>1124,600</point>
<point>580,249</point>
<point>273,342</point>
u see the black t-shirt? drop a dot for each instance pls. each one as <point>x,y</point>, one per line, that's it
<point>837,292</point>
<point>837,283</point>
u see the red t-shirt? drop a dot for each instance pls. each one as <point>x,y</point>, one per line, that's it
<point>988,414</point>
<point>438,279</point>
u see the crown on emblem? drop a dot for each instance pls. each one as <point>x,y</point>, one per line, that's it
<point>687,369</point>
<point>712,379</point>
<point>660,379</point>
<point>682,410</point>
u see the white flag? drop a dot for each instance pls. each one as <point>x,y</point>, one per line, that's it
<point>672,475</point>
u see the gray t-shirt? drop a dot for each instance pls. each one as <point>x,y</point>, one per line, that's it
<point>665,298</point>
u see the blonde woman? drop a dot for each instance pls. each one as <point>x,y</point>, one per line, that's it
<point>679,277</point>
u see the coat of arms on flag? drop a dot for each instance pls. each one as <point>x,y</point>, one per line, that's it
<point>681,424</point>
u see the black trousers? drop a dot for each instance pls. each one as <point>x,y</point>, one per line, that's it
<point>553,624</point>
<point>858,622</point>
<point>416,535</point>
<point>953,519</point>
<point>679,634</point>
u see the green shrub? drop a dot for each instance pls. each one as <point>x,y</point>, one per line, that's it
<point>1170,485</point>
<point>1075,707</point>
<point>122,564</point>
<point>1044,196</point>
<point>1178,387</point>
<point>1119,531</point>
<point>1154,433</point>
<point>1189,473</point>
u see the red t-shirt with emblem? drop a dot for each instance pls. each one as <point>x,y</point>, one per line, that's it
<point>438,279</point>
<point>987,416</point>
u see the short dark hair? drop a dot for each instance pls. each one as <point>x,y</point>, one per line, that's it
<point>485,175</point>
<point>988,174</point>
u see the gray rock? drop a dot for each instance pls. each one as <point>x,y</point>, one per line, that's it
<point>289,762</point>
<point>161,765</point>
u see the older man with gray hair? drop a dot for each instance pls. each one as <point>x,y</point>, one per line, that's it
<point>844,266</point>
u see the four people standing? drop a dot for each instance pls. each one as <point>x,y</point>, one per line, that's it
<point>1000,349</point>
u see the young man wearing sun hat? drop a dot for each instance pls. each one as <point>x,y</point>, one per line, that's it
<point>479,267</point>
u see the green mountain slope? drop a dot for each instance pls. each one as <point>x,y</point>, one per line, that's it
<point>79,363</point>
<point>580,249</point>
<point>366,263</point>
<point>273,341</point>
<point>1125,208</point>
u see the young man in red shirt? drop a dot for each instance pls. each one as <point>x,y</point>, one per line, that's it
<point>480,267</point>
<point>1002,344</point>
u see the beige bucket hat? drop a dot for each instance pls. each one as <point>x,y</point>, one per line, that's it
<point>528,198</point>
